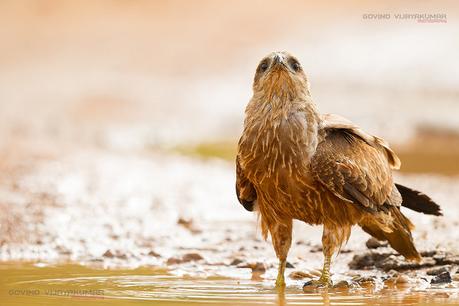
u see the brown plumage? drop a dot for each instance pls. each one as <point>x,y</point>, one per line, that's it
<point>294,163</point>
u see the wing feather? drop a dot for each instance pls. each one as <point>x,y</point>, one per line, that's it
<point>332,121</point>
<point>355,166</point>
<point>245,191</point>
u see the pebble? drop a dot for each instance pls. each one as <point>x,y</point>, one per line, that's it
<point>236,261</point>
<point>257,267</point>
<point>173,261</point>
<point>442,278</point>
<point>316,248</point>
<point>191,257</point>
<point>387,262</point>
<point>342,284</point>
<point>403,279</point>
<point>289,265</point>
<point>365,280</point>
<point>374,243</point>
<point>121,256</point>
<point>299,275</point>
<point>436,271</point>
<point>446,259</point>
<point>154,254</point>
<point>315,272</point>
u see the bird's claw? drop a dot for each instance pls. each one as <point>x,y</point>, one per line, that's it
<point>320,283</point>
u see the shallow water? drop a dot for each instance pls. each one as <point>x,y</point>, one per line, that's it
<point>32,284</point>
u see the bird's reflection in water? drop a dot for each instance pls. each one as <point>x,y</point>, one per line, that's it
<point>281,296</point>
<point>282,300</point>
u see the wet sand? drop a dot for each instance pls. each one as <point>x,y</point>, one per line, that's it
<point>152,210</point>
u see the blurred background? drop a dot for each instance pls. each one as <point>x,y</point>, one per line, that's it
<point>130,75</point>
<point>121,118</point>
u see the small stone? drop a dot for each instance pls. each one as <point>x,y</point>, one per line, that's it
<point>442,278</point>
<point>185,222</point>
<point>365,280</point>
<point>108,254</point>
<point>63,251</point>
<point>173,261</point>
<point>154,254</point>
<point>316,248</point>
<point>299,275</point>
<point>121,256</point>
<point>258,267</point>
<point>255,266</point>
<point>428,253</point>
<point>191,257</point>
<point>367,260</point>
<point>394,262</point>
<point>189,225</point>
<point>315,272</point>
<point>403,279</point>
<point>374,243</point>
<point>342,284</point>
<point>436,271</point>
<point>236,261</point>
<point>446,259</point>
<point>289,265</point>
<point>392,273</point>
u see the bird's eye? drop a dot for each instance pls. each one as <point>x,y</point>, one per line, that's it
<point>263,66</point>
<point>295,66</point>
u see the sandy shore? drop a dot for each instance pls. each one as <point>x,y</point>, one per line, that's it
<point>121,209</point>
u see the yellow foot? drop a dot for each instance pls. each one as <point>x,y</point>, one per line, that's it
<point>320,283</point>
<point>280,282</point>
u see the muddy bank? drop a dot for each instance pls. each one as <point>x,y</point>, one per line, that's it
<point>128,210</point>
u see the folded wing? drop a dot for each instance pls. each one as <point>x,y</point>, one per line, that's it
<point>356,166</point>
<point>245,191</point>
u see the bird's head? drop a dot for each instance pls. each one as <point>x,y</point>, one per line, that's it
<point>280,75</point>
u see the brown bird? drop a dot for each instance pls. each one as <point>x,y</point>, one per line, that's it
<point>294,163</point>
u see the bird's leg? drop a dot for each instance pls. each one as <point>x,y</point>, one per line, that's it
<point>330,241</point>
<point>325,278</point>
<point>282,238</point>
<point>280,280</point>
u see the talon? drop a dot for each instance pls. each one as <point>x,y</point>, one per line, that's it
<point>320,283</point>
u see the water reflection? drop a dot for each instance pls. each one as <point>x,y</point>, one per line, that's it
<point>31,285</point>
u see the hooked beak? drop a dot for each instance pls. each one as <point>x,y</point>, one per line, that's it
<point>278,59</point>
<point>279,62</point>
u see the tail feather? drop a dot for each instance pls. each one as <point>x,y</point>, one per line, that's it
<point>418,201</point>
<point>399,238</point>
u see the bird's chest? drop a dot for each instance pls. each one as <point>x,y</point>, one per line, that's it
<point>276,154</point>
